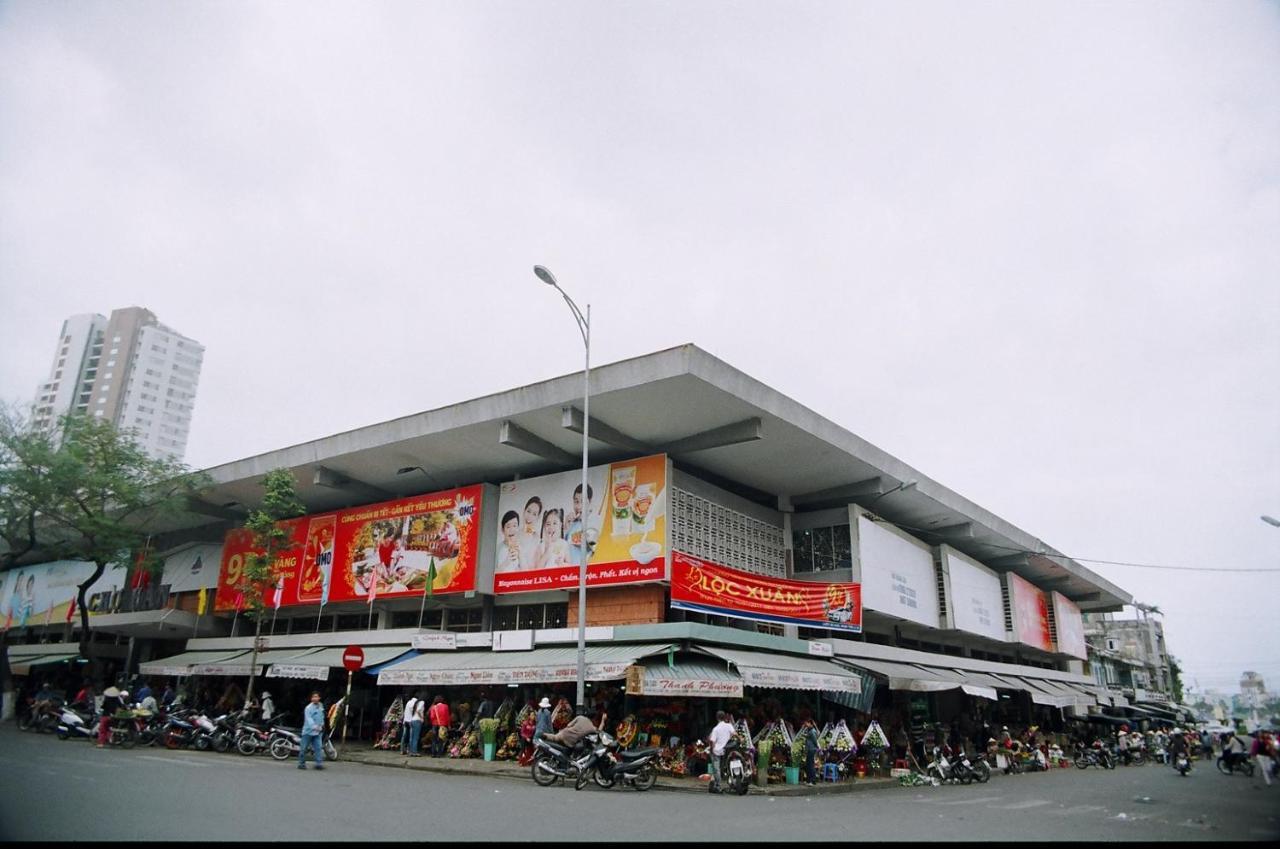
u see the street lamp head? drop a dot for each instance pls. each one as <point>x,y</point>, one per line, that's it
<point>404,470</point>
<point>544,275</point>
<point>1271,520</point>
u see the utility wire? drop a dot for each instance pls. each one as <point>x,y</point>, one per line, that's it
<point>1016,550</point>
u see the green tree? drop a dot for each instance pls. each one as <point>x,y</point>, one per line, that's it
<point>17,510</point>
<point>84,492</point>
<point>1175,680</point>
<point>270,541</point>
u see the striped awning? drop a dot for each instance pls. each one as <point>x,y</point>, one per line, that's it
<point>537,666</point>
<point>317,665</point>
<point>787,671</point>
<point>658,677</point>
<point>181,664</point>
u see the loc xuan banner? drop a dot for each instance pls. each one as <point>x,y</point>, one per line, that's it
<point>390,547</point>
<point>711,588</point>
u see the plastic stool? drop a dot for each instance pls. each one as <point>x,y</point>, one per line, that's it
<point>830,772</point>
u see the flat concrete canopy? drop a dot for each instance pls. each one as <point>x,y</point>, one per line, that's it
<point>716,422</point>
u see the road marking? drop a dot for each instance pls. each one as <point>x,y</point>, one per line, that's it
<point>1018,806</point>
<point>977,800</point>
<point>1078,809</point>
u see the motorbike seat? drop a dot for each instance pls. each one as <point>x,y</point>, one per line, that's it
<point>637,754</point>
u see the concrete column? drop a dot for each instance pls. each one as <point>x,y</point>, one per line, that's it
<point>784,505</point>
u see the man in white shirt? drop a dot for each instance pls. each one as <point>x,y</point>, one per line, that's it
<point>410,708</point>
<point>719,737</point>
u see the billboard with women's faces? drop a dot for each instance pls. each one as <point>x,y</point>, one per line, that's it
<point>543,521</point>
<point>43,593</point>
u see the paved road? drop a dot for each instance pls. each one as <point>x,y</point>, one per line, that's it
<point>53,790</point>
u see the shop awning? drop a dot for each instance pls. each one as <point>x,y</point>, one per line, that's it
<point>317,665</point>
<point>181,664</point>
<point>1039,695</point>
<point>539,666</point>
<point>657,677</point>
<point>905,676</point>
<point>240,665</point>
<point>1079,696</point>
<point>23,664</point>
<point>787,671</point>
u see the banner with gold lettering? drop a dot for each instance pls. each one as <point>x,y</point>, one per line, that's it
<point>338,556</point>
<point>711,588</point>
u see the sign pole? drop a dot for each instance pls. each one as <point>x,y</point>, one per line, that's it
<point>346,707</point>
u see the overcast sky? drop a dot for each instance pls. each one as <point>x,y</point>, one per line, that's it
<point>1029,248</point>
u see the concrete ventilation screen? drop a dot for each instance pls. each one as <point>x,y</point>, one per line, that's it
<point>721,535</point>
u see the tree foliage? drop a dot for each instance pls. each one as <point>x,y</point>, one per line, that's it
<point>86,491</point>
<point>270,542</point>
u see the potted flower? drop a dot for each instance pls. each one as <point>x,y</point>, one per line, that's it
<point>764,751</point>
<point>797,760</point>
<point>489,736</point>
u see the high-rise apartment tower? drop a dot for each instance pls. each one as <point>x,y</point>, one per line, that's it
<point>129,369</point>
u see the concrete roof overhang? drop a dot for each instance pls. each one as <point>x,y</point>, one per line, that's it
<point>715,422</point>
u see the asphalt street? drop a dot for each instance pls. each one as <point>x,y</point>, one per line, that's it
<point>70,790</point>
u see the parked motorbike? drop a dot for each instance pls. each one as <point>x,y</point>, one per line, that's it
<point>287,742</point>
<point>1095,755</point>
<point>737,768</point>
<point>77,723</point>
<point>179,730</point>
<point>553,761</point>
<point>966,769</point>
<point>607,764</point>
<point>1230,762</point>
<point>42,721</point>
<point>122,730</point>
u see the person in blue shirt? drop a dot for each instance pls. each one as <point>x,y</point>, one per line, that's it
<point>312,729</point>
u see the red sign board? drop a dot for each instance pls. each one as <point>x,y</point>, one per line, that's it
<point>711,588</point>
<point>353,658</point>
<point>395,547</point>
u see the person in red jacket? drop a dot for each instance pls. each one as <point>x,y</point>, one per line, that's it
<point>439,718</point>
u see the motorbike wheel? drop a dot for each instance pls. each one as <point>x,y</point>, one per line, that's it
<point>1224,767</point>
<point>221,743</point>
<point>582,778</point>
<point>1081,762</point>
<point>330,751</point>
<point>280,749</point>
<point>202,743</point>
<point>1139,759</point>
<point>245,745</point>
<point>739,784</point>
<point>600,780</point>
<point>62,734</point>
<point>171,739</point>
<point>965,775</point>
<point>645,778</point>
<point>982,773</point>
<point>126,737</point>
<point>544,777</point>
<point>1246,767</point>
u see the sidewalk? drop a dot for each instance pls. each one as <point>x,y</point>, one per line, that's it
<point>363,753</point>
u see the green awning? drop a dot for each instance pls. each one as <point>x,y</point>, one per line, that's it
<point>656,677</point>
<point>537,666</point>
<point>317,665</point>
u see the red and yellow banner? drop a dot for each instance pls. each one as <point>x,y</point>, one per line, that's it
<point>392,546</point>
<point>711,588</point>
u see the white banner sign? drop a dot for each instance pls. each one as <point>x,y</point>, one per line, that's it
<point>787,680</point>
<point>223,669</point>
<point>898,575</point>
<point>295,670</point>
<point>974,602</point>
<point>641,682</point>
<point>821,649</point>
<point>513,675</point>
<point>434,642</point>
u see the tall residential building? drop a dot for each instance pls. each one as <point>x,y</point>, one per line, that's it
<point>129,369</point>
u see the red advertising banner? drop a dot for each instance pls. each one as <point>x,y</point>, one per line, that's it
<point>1030,613</point>
<point>394,546</point>
<point>711,588</point>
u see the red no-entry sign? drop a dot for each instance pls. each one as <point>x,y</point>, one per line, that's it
<point>353,658</point>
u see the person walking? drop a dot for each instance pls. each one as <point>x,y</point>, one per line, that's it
<point>406,727</point>
<point>809,734</point>
<point>719,737</point>
<point>312,731</point>
<point>112,701</point>
<point>543,725</point>
<point>1258,751</point>
<point>439,717</point>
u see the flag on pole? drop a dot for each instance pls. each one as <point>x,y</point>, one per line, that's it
<point>240,601</point>
<point>279,593</point>
<point>48,615</point>
<point>373,585</point>
<point>202,601</point>
<point>71,609</point>
<point>431,578</point>
<point>8,620</point>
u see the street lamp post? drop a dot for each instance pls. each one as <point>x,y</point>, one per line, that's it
<point>584,327</point>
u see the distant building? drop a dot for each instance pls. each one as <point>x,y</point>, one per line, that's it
<point>128,369</point>
<point>1253,691</point>
<point>1129,655</point>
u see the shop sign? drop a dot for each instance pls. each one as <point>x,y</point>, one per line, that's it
<point>542,521</point>
<point>1069,625</point>
<point>434,642</point>
<point>641,684</point>
<point>512,640</point>
<point>821,649</point>
<point>512,675</point>
<point>785,679</point>
<point>708,587</point>
<point>223,669</point>
<point>296,670</point>
<point>391,549</point>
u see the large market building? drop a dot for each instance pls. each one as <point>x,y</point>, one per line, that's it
<point>743,546</point>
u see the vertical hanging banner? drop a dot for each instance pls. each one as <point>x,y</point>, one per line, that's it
<point>1030,613</point>
<point>711,588</point>
<point>384,550</point>
<point>542,520</point>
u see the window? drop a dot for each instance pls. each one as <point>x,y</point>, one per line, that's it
<point>464,620</point>
<point>822,549</point>
<point>409,619</point>
<point>351,622</point>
